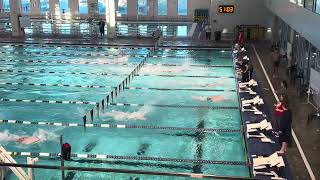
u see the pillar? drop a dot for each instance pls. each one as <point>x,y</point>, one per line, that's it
<point>92,8</point>
<point>152,11</point>
<point>1,7</point>
<point>132,9</point>
<point>54,9</point>
<point>35,7</point>
<point>74,8</point>
<point>172,9</point>
<point>111,19</point>
<point>93,14</point>
<point>14,18</point>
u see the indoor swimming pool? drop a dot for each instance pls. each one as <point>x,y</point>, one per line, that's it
<point>180,112</point>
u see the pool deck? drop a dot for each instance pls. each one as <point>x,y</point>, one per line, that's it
<point>308,135</point>
<point>309,139</point>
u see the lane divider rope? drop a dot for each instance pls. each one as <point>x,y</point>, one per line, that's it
<point>53,72</point>
<point>144,158</point>
<point>193,57</point>
<point>175,106</point>
<point>68,54</point>
<point>178,89</point>
<point>193,76</point>
<point>55,85</point>
<point>67,62</point>
<point>130,88</point>
<point>79,46</point>
<point>118,126</point>
<point>47,101</point>
<point>192,65</point>
<point>104,63</point>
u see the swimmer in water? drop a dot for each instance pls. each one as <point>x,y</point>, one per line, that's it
<point>213,85</point>
<point>211,98</point>
<point>37,137</point>
<point>138,115</point>
<point>119,115</point>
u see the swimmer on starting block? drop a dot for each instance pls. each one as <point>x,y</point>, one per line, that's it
<point>211,98</point>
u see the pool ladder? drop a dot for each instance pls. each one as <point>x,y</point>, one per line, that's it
<point>18,171</point>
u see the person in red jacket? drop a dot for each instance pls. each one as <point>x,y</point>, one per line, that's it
<point>279,108</point>
<point>241,38</point>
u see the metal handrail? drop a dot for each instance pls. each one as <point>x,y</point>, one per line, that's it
<point>125,171</point>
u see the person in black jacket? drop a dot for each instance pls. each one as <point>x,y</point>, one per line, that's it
<point>101,25</point>
<point>285,129</point>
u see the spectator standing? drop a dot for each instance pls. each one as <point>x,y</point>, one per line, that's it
<point>101,24</point>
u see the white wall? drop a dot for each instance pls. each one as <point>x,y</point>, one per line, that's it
<point>247,12</point>
<point>300,19</point>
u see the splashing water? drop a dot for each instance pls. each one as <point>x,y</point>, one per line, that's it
<point>138,115</point>
<point>6,136</point>
<point>45,135</point>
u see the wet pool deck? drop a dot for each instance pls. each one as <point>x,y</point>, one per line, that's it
<point>309,136</point>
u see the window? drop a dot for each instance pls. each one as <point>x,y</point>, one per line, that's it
<point>44,6</point>
<point>182,31</point>
<point>6,5</point>
<point>102,6</point>
<point>300,2</point>
<point>46,28</point>
<point>65,28</point>
<point>25,6</point>
<point>182,7</point>
<point>123,29</point>
<point>83,7</point>
<point>64,7</point>
<point>318,7</point>
<point>122,7</point>
<point>84,28</point>
<point>143,30</point>
<point>308,4</point>
<point>142,7</point>
<point>162,7</point>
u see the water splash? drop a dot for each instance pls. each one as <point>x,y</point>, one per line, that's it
<point>137,115</point>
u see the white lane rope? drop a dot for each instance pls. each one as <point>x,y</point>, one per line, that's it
<point>117,126</point>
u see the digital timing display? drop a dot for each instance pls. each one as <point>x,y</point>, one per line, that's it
<point>226,8</point>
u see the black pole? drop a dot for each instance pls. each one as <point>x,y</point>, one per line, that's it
<point>98,109</point>
<point>91,115</point>
<point>84,121</point>
<point>102,104</point>
<point>62,160</point>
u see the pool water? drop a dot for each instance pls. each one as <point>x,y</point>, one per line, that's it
<point>172,101</point>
